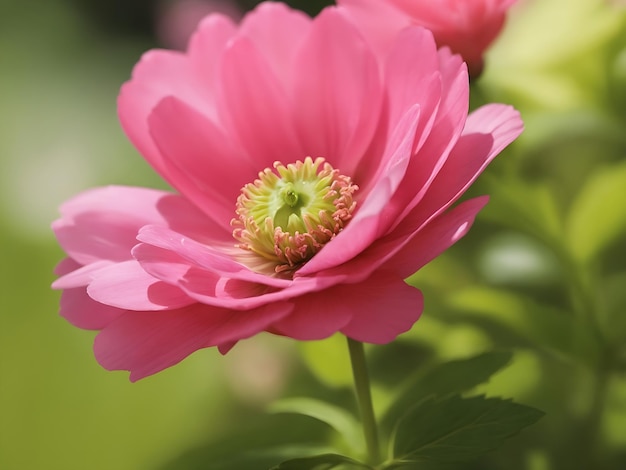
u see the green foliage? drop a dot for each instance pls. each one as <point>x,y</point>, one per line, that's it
<point>337,418</point>
<point>597,216</point>
<point>444,379</point>
<point>544,326</point>
<point>456,429</point>
<point>320,462</point>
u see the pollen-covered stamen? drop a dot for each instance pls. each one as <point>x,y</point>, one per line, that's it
<point>289,214</point>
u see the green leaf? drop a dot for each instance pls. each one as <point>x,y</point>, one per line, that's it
<point>613,315</point>
<point>337,418</point>
<point>243,459</point>
<point>539,324</point>
<point>264,441</point>
<point>320,462</point>
<point>444,379</point>
<point>598,215</point>
<point>531,209</point>
<point>456,429</point>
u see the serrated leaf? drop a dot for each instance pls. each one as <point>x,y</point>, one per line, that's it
<point>456,429</point>
<point>539,324</point>
<point>443,379</point>
<point>337,418</point>
<point>598,215</point>
<point>320,462</point>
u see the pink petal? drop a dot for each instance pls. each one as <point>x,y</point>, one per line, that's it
<point>412,76</point>
<point>65,266</point>
<point>83,312</point>
<point>405,253</point>
<point>337,93</point>
<point>447,127</point>
<point>147,342</point>
<point>205,51</point>
<point>255,107</point>
<point>382,308</point>
<point>230,289</point>
<point>316,316</point>
<point>162,245</point>
<point>127,286</point>
<point>212,278</point>
<point>379,20</point>
<point>371,219</point>
<point>487,132</point>
<point>200,161</point>
<point>80,276</point>
<point>102,223</point>
<point>157,75</point>
<point>436,237</point>
<point>277,32</point>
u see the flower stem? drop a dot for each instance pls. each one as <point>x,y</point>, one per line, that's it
<point>364,399</point>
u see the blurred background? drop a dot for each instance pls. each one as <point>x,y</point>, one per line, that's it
<point>542,274</point>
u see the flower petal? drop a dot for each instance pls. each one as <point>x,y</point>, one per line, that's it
<point>210,278</point>
<point>277,32</point>
<point>379,21</point>
<point>147,342</point>
<point>337,93</point>
<point>213,257</point>
<point>422,245</point>
<point>412,76</point>
<point>157,75</point>
<point>382,308</point>
<point>372,218</point>
<point>102,223</point>
<point>436,142</point>
<point>127,286</point>
<point>315,316</point>
<point>201,162</point>
<point>487,132</point>
<point>436,237</point>
<point>78,276</point>
<point>206,46</point>
<point>255,107</point>
<point>83,312</point>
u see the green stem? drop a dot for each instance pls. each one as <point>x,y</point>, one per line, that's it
<point>364,399</point>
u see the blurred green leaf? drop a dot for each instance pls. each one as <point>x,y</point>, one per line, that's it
<point>547,64</point>
<point>528,208</point>
<point>258,441</point>
<point>539,324</point>
<point>320,462</point>
<point>598,215</point>
<point>456,429</point>
<point>337,418</point>
<point>328,360</point>
<point>243,459</point>
<point>443,379</point>
<point>613,315</point>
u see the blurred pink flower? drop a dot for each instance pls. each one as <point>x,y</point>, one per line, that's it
<point>300,248</point>
<point>178,19</point>
<point>467,27</point>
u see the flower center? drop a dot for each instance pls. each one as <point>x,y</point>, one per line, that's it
<point>288,215</point>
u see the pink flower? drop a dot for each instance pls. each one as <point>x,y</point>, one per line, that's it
<point>302,248</point>
<point>467,27</point>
